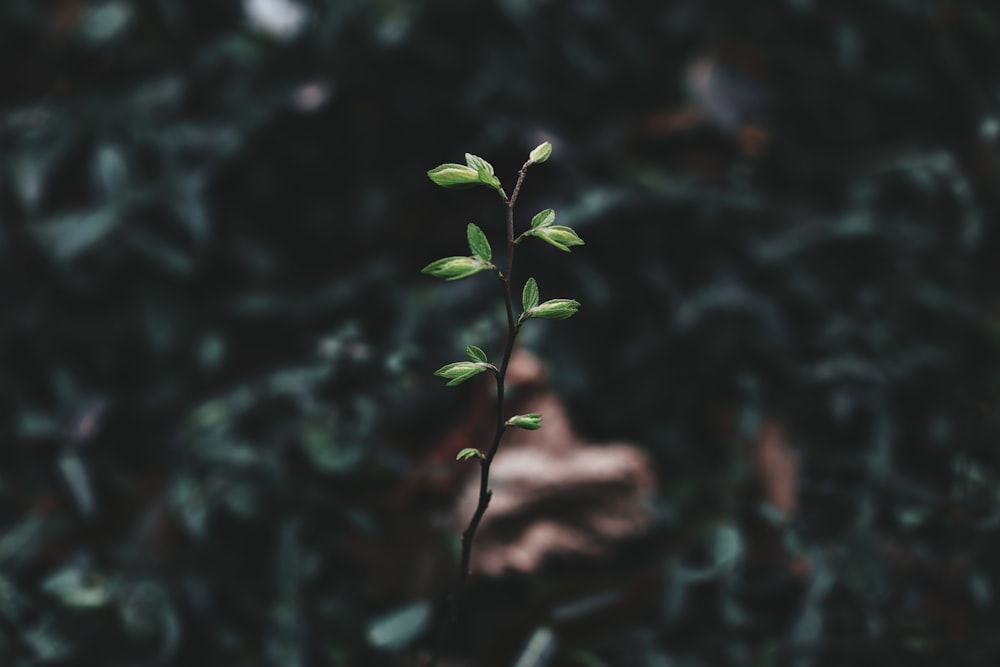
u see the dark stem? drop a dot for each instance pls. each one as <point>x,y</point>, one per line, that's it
<point>469,534</point>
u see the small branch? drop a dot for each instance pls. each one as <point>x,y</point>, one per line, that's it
<point>513,327</point>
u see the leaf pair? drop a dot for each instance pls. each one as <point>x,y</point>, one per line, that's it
<point>475,171</point>
<point>553,309</point>
<point>458,267</point>
<point>460,371</point>
<point>543,226</point>
<point>530,422</point>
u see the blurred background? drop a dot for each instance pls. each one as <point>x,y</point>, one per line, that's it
<point>222,443</point>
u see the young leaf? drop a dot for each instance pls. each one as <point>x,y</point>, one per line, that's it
<point>532,421</point>
<point>543,218</point>
<point>529,297</point>
<point>478,243</point>
<point>541,153</point>
<point>484,170</point>
<point>558,236</point>
<point>460,371</point>
<point>476,355</point>
<point>556,309</point>
<point>455,268</point>
<point>453,175</point>
<point>479,164</point>
<point>468,453</point>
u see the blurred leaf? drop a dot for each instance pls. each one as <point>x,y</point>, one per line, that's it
<point>110,170</point>
<point>104,21</point>
<point>540,648</point>
<point>20,543</point>
<point>808,629</point>
<point>146,612</point>
<point>727,547</point>
<point>32,425</point>
<point>398,628</point>
<point>47,644</point>
<point>191,500</point>
<point>980,589</point>
<point>78,481</point>
<point>327,449</point>
<point>70,235</point>
<point>8,599</point>
<point>77,588</point>
<point>286,646</point>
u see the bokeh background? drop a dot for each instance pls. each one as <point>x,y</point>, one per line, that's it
<point>215,376</point>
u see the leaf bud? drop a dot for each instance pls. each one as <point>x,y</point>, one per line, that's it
<point>541,153</point>
<point>531,422</point>
<point>556,309</point>
<point>451,175</point>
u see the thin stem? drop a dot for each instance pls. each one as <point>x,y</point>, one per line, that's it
<point>513,326</point>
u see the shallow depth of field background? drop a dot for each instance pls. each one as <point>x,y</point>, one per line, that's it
<point>217,348</point>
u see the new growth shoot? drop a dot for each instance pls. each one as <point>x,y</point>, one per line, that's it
<point>478,172</point>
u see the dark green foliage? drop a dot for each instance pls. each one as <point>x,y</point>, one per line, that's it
<point>217,347</point>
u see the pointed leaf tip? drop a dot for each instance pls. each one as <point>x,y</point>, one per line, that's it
<point>460,371</point>
<point>543,218</point>
<point>529,297</point>
<point>476,355</point>
<point>455,268</point>
<point>556,309</point>
<point>558,236</point>
<point>483,169</point>
<point>478,243</point>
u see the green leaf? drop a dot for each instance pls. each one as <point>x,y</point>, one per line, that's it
<point>455,268</point>
<point>556,309</point>
<point>529,297</point>
<point>484,170</point>
<point>468,453</point>
<point>541,153</point>
<point>476,355</point>
<point>543,218</point>
<point>559,236</point>
<point>478,243</point>
<point>479,164</point>
<point>451,175</point>
<point>532,421</point>
<point>460,371</point>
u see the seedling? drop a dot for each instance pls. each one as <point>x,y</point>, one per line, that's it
<point>477,171</point>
